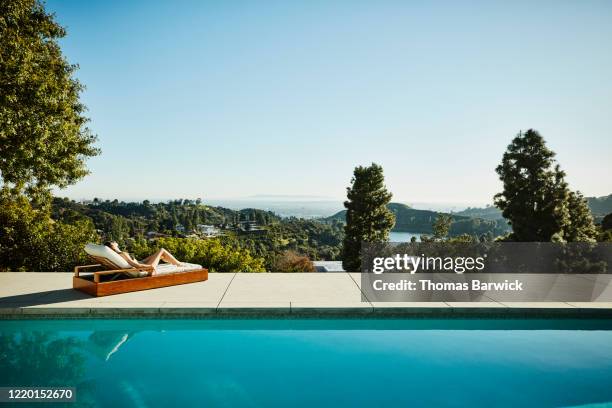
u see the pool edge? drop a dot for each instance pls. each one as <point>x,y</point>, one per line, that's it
<point>314,312</point>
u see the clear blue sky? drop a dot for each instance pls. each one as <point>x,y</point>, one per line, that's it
<point>230,99</point>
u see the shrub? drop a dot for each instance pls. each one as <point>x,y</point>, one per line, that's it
<point>291,261</point>
<point>210,253</point>
<point>31,241</point>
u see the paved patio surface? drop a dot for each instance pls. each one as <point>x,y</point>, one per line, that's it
<point>32,294</point>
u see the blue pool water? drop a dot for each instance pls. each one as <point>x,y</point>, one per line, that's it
<point>306,363</point>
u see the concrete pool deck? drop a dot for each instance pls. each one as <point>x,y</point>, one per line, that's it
<point>42,294</point>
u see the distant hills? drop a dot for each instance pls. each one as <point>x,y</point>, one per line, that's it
<point>472,221</point>
<point>408,219</point>
<point>120,220</point>
<point>600,206</point>
<point>488,213</point>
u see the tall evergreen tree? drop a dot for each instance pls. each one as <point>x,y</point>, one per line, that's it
<point>367,217</point>
<point>580,227</point>
<point>535,195</point>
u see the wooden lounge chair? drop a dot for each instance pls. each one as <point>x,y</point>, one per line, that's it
<point>118,276</point>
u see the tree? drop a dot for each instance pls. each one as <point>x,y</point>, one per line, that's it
<point>535,194</point>
<point>441,226</point>
<point>605,235</point>
<point>606,223</point>
<point>44,140</point>
<point>367,217</point>
<point>580,227</point>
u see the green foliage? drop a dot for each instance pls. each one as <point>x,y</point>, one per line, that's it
<point>120,220</point>
<point>367,217</point>
<point>441,226</point>
<point>488,213</point>
<point>477,227</point>
<point>465,238</point>
<point>311,238</point>
<point>210,253</point>
<point>605,236</point>
<point>411,220</point>
<point>605,232</point>
<point>44,140</point>
<point>536,199</point>
<point>580,227</point>
<point>291,261</point>
<point>535,192</point>
<point>606,223</point>
<point>31,241</point>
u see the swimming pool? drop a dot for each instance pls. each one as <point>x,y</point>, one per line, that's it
<point>278,363</point>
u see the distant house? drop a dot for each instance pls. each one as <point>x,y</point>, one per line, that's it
<point>249,226</point>
<point>155,234</point>
<point>208,230</point>
<point>328,266</point>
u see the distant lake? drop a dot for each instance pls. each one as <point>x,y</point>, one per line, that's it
<point>403,236</point>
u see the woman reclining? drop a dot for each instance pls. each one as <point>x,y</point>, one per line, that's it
<point>153,260</point>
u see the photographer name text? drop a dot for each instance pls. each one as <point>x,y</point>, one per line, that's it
<point>429,285</point>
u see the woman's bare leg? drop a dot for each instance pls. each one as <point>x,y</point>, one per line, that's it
<point>167,256</point>
<point>160,255</point>
<point>153,260</point>
<point>149,259</point>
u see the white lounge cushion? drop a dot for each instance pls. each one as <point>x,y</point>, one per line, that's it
<point>168,269</point>
<point>164,268</point>
<point>103,251</point>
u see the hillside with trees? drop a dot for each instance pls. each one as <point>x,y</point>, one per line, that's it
<point>408,219</point>
<point>119,220</point>
<point>488,213</point>
<point>261,234</point>
<point>600,206</point>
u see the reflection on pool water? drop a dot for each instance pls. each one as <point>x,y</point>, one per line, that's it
<point>267,363</point>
